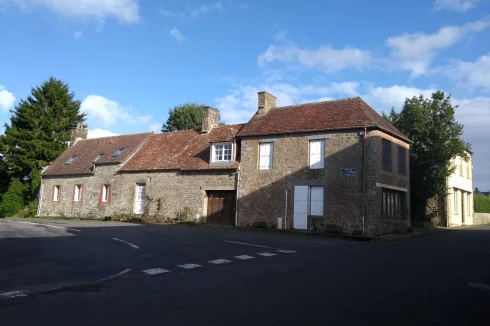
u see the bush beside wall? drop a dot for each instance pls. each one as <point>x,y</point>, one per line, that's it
<point>482,204</point>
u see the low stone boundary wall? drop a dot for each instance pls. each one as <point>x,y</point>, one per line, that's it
<point>481,218</point>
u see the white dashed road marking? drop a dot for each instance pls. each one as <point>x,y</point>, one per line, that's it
<point>47,225</point>
<point>189,266</point>
<point>286,251</point>
<point>155,271</point>
<point>13,294</point>
<point>128,243</point>
<point>266,254</point>
<point>114,276</point>
<point>481,286</point>
<point>219,261</point>
<point>244,257</point>
<point>249,244</point>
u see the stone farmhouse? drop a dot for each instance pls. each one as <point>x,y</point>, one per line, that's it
<point>334,166</point>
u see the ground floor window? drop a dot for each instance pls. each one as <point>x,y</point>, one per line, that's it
<point>77,193</point>
<point>393,203</point>
<point>316,200</point>
<point>455,202</point>
<point>56,193</point>
<point>140,198</point>
<point>105,194</point>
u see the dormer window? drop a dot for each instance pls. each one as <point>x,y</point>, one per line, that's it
<point>222,153</point>
<point>97,157</point>
<point>70,160</point>
<point>118,152</point>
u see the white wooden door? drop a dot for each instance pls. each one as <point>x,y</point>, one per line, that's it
<point>301,207</point>
<point>140,197</point>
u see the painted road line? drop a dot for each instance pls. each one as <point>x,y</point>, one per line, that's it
<point>244,257</point>
<point>189,266</point>
<point>266,254</point>
<point>13,294</point>
<point>47,225</point>
<point>219,261</point>
<point>128,243</point>
<point>249,244</point>
<point>155,271</point>
<point>481,286</point>
<point>114,276</point>
<point>286,251</point>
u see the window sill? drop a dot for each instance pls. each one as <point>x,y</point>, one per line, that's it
<point>224,163</point>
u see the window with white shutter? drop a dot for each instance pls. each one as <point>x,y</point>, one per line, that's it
<point>316,201</point>
<point>266,151</point>
<point>317,154</point>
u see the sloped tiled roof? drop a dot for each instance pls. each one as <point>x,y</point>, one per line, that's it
<point>87,150</point>
<point>181,150</point>
<point>348,113</point>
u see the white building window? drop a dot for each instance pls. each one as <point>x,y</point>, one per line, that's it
<point>316,200</point>
<point>56,193</point>
<point>266,151</point>
<point>106,190</point>
<point>77,193</point>
<point>455,201</point>
<point>222,153</point>
<point>140,198</point>
<point>317,154</point>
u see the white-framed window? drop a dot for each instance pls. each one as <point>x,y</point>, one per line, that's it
<point>105,195</point>
<point>266,151</point>
<point>77,193</point>
<point>56,193</point>
<point>468,205</point>
<point>316,200</point>
<point>222,153</point>
<point>455,202</point>
<point>140,198</point>
<point>317,154</point>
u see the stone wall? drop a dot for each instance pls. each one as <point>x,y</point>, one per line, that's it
<point>262,196</point>
<point>169,193</point>
<point>481,218</point>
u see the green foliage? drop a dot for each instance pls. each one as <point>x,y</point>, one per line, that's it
<point>431,125</point>
<point>482,204</point>
<point>13,200</point>
<point>39,131</point>
<point>184,117</point>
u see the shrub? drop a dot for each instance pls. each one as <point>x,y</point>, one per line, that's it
<point>482,204</point>
<point>14,199</point>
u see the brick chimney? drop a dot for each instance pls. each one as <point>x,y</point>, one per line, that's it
<point>78,133</point>
<point>266,102</point>
<point>210,118</point>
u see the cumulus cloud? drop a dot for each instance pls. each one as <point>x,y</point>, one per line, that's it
<point>108,112</point>
<point>126,11</point>
<point>455,5</point>
<point>470,74</point>
<point>193,12</point>
<point>98,133</point>
<point>325,57</point>
<point>177,35</point>
<point>414,52</point>
<point>7,99</point>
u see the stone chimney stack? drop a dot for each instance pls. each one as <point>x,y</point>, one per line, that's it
<point>210,119</point>
<point>266,102</point>
<point>78,133</point>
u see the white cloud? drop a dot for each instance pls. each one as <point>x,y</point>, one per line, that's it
<point>177,35</point>
<point>324,57</point>
<point>123,10</point>
<point>108,112</point>
<point>415,52</point>
<point>470,74</point>
<point>156,127</point>
<point>455,5</point>
<point>7,99</point>
<point>241,104</point>
<point>384,98</point>
<point>193,12</point>
<point>98,133</point>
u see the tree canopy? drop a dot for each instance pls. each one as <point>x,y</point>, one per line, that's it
<point>38,132</point>
<point>437,136</point>
<point>184,117</point>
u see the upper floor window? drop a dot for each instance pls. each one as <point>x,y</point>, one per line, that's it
<point>70,160</point>
<point>317,154</point>
<point>56,193</point>
<point>468,169</point>
<point>386,163</point>
<point>266,151</point>
<point>402,160</point>
<point>118,152</point>
<point>77,193</point>
<point>222,153</point>
<point>461,162</point>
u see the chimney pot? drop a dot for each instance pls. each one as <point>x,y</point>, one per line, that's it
<point>266,102</point>
<point>210,118</point>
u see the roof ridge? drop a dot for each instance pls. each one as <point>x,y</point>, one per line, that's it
<point>175,132</point>
<point>320,102</point>
<point>114,136</point>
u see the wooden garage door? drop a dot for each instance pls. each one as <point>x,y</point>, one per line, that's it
<point>221,207</point>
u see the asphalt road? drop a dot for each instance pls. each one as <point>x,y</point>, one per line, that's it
<point>89,273</point>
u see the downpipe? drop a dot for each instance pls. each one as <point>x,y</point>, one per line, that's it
<point>364,180</point>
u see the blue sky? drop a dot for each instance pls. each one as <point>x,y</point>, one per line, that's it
<point>130,61</point>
